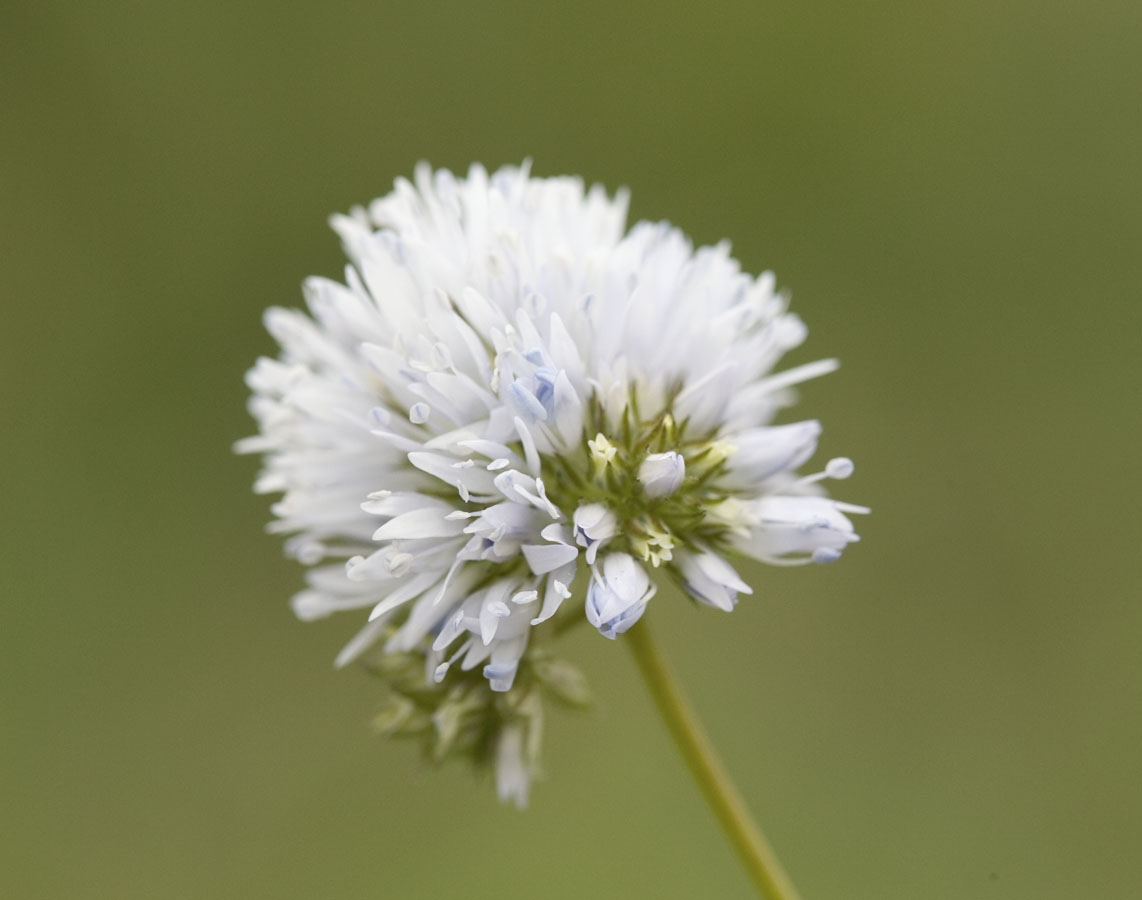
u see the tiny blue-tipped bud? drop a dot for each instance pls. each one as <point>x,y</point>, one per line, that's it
<point>826,555</point>
<point>712,580</point>
<point>500,675</point>
<point>594,526</point>
<point>617,595</point>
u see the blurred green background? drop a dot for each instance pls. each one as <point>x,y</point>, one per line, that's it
<point>953,193</point>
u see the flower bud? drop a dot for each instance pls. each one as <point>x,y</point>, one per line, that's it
<point>711,580</point>
<point>594,525</point>
<point>618,594</point>
<point>799,529</point>
<point>661,473</point>
<point>512,775</point>
<point>517,750</point>
<point>761,453</point>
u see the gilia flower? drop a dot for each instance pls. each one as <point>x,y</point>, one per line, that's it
<point>510,389</point>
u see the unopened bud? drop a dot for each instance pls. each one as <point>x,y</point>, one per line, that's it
<point>617,595</point>
<point>662,473</point>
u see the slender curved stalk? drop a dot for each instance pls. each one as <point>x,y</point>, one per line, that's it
<point>751,846</point>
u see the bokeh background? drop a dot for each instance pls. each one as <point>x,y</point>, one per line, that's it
<point>953,192</point>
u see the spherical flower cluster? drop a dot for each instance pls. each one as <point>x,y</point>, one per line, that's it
<point>509,390</point>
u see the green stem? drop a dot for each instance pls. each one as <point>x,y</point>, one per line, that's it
<point>752,847</point>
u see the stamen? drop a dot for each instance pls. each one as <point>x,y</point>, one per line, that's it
<point>442,669</point>
<point>840,467</point>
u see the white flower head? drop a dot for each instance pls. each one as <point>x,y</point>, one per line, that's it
<point>508,383</point>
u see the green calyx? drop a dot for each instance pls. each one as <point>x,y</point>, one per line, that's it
<point>605,469</point>
<point>459,718</point>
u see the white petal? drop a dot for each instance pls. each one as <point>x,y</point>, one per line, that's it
<point>544,558</point>
<point>414,587</point>
<point>557,590</point>
<point>419,523</point>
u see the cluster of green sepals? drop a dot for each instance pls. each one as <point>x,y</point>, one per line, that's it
<point>604,469</point>
<point>460,718</point>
